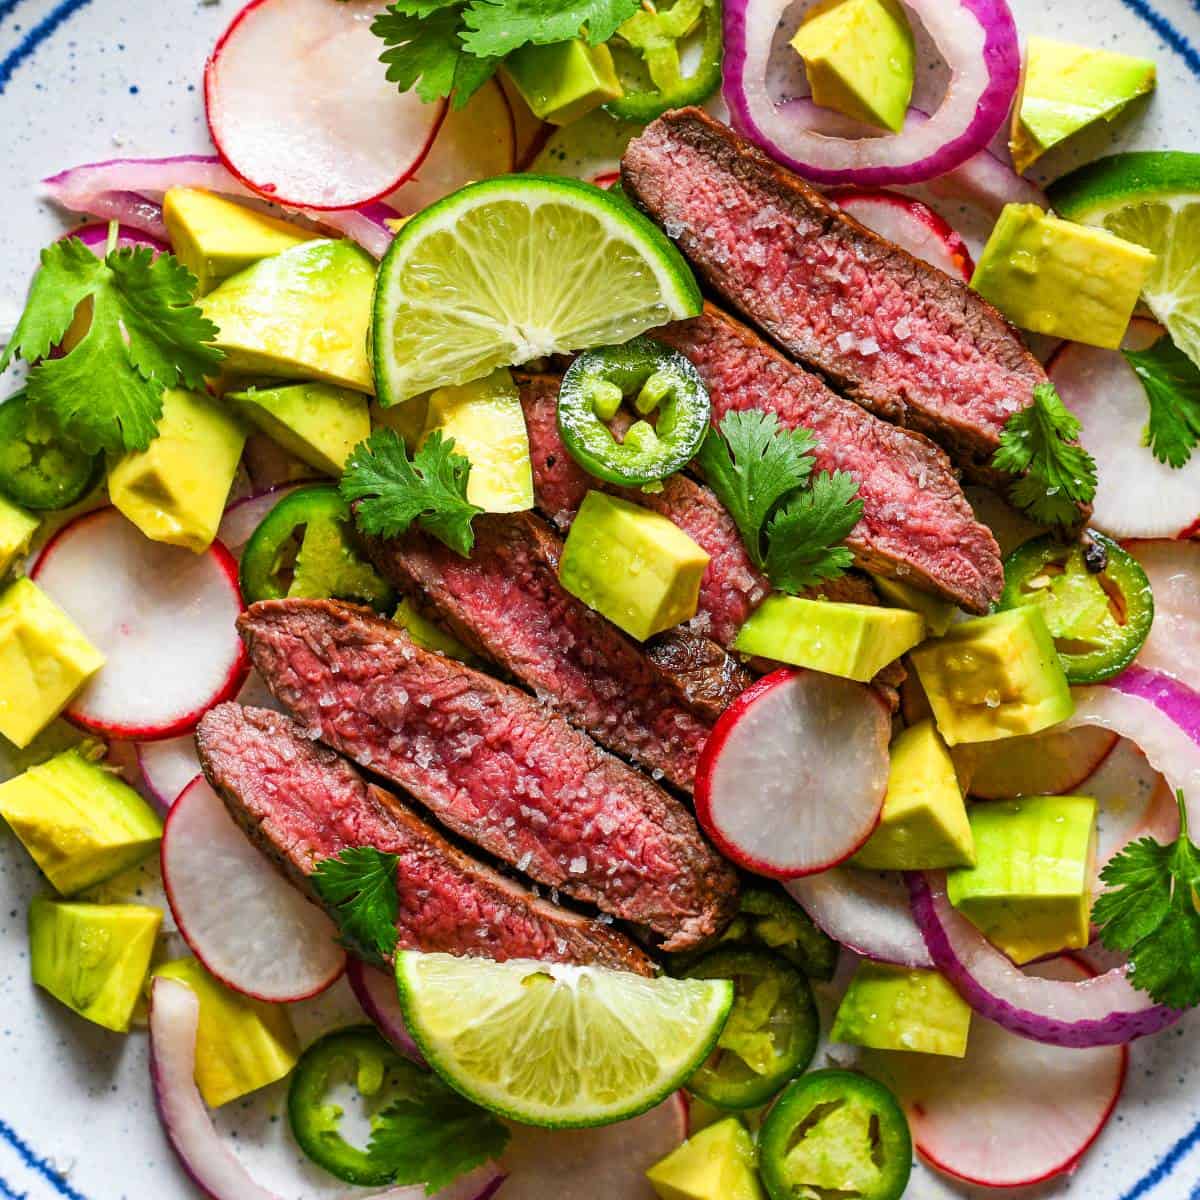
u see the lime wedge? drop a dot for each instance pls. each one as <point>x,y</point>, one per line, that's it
<point>554,1045</point>
<point>515,268</point>
<point>1152,198</point>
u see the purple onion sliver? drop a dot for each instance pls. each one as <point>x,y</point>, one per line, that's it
<point>376,992</point>
<point>1172,698</point>
<point>96,236</point>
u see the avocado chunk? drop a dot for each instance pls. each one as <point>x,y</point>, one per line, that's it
<point>176,490</point>
<point>241,1044</point>
<point>938,614</point>
<point>631,565</point>
<point>1066,88</point>
<point>487,423</point>
<point>429,636</point>
<point>215,238</point>
<point>317,422</point>
<point>924,824</point>
<point>715,1164</point>
<point>1052,276</point>
<point>564,80</point>
<point>303,314</point>
<point>1028,891</point>
<point>855,641</point>
<point>17,528</point>
<point>80,822</point>
<point>994,677</point>
<point>93,957</point>
<point>860,59</point>
<point>44,660</point>
<point>901,1008</point>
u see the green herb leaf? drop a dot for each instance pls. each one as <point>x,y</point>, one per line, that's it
<point>498,27</point>
<point>426,51</point>
<point>360,885</point>
<point>804,536</point>
<point>395,491</point>
<point>1172,383</point>
<point>1036,444</point>
<point>1150,914</point>
<point>146,334</point>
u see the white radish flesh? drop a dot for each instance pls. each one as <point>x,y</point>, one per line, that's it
<point>913,226</point>
<point>1045,764</point>
<point>1173,568</point>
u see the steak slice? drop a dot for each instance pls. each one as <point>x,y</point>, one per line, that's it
<point>300,803</point>
<point>902,338</point>
<point>494,766</point>
<point>506,603</point>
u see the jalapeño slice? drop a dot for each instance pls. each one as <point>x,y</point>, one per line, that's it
<point>39,469</point>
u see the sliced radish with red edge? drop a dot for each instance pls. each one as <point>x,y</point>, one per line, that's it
<point>1044,764</point>
<point>375,991</point>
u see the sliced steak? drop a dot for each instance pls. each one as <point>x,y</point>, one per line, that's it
<point>494,766</point>
<point>299,802</point>
<point>505,602</point>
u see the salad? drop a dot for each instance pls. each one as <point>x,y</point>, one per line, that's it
<point>551,532</point>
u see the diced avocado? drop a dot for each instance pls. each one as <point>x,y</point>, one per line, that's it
<point>17,528</point>
<point>487,423</point>
<point>93,957</point>
<point>859,56</point>
<point>1055,277</point>
<point>938,614</point>
<point>241,1044</point>
<point>924,821</point>
<point>632,565</point>
<point>1065,88</point>
<point>1028,891</point>
<point>855,641</point>
<point>406,419</point>
<point>176,490</point>
<point>319,423</point>
<point>715,1164</point>
<point>429,636</point>
<point>44,660</point>
<point>80,822</point>
<point>303,314</point>
<point>215,238</point>
<point>899,1008</point>
<point>994,677</point>
<point>564,80</point>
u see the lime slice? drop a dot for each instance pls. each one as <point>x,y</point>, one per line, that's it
<point>515,268</point>
<point>555,1045</point>
<point>1152,198</point>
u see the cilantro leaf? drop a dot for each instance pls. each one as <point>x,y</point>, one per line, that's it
<point>1036,444</point>
<point>425,51</point>
<point>360,884</point>
<point>1172,383</point>
<point>1150,914</point>
<point>751,464</point>
<point>146,334</point>
<point>804,536</point>
<point>497,27</point>
<point>430,489</point>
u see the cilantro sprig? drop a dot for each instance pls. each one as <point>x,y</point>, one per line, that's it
<point>1038,444</point>
<point>1172,384</point>
<point>359,885</point>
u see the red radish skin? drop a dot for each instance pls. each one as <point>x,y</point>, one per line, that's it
<point>1044,764</point>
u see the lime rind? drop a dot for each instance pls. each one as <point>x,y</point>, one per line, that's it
<point>516,268</point>
<point>556,1045</point>
<point>1091,192</point>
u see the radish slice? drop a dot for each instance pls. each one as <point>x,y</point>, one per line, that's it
<point>299,114</point>
<point>792,777</point>
<point>244,516</point>
<point>608,1163</point>
<point>242,919</point>
<point>1011,1112</point>
<point>911,225</point>
<point>866,911</point>
<point>1136,495</point>
<point>1044,764</point>
<point>134,598</point>
<point>375,990</point>
<point>1105,1011</point>
<point>1173,647</point>
<point>530,132</point>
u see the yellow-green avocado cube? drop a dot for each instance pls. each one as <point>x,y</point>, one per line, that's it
<point>924,823</point>
<point>860,59</point>
<point>317,422</point>
<point>1055,277</point>
<point>81,823</point>
<point>632,565</point>
<point>429,636</point>
<point>215,238</point>
<point>93,957</point>
<point>715,1164</point>
<point>855,641</point>
<point>902,1008</point>
<point>302,314</point>
<point>44,660</point>
<point>176,490</point>
<point>1029,890</point>
<point>938,614</point>
<point>994,677</point>
<point>1066,88</point>
<point>17,528</point>
<point>241,1044</point>
<point>564,80</point>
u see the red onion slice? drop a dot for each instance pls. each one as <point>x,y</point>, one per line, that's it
<point>976,38</point>
<point>375,990</point>
<point>95,237</point>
